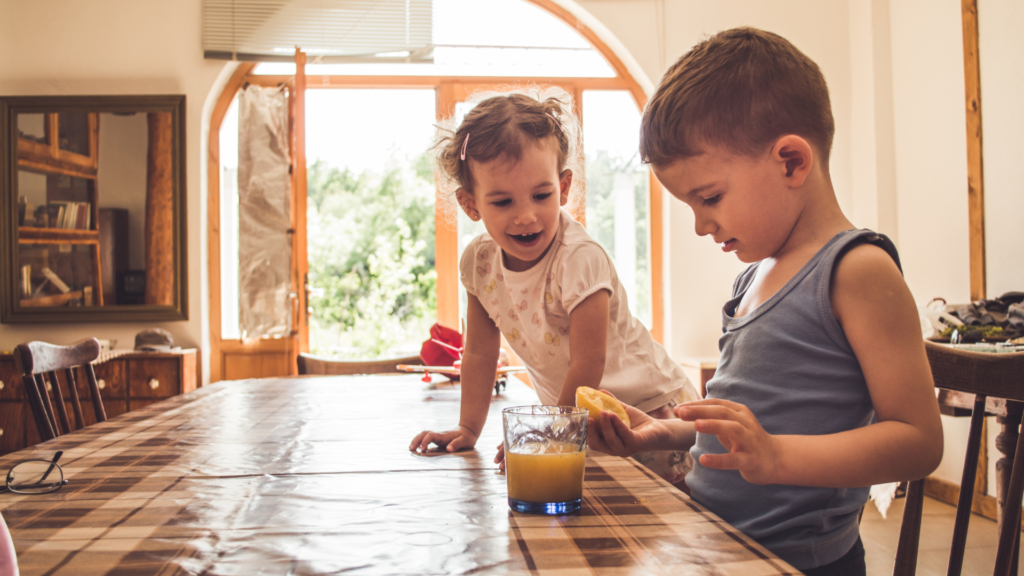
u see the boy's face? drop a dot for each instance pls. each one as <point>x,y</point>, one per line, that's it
<point>519,202</point>
<point>742,202</point>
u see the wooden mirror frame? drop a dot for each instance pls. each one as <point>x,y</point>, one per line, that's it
<point>10,106</point>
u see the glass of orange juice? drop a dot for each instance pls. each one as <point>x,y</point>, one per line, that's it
<point>545,454</point>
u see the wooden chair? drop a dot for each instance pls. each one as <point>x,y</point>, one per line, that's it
<point>39,362</point>
<point>309,364</point>
<point>986,375</point>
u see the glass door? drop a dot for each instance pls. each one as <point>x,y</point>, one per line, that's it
<point>370,218</point>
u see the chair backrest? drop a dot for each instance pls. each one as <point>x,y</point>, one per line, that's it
<point>39,364</point>
<point>984,375</point>
<point>309,364</point>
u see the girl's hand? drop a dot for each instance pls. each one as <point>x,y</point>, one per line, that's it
<point>461,438</point>
<point>752,451</point>
<point>609,434</point>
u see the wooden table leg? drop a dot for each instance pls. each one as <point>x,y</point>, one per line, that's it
<point>1006,443</point>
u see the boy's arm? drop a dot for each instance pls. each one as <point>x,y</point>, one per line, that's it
<point>479,368</point>
<point>878,315</point>
<point>588,344</point>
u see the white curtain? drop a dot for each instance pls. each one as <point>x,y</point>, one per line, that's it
<point>264,213</point>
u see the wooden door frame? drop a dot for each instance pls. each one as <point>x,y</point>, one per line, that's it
<point>261,349</point>
<point>213,200</point>
<point>446,258</point>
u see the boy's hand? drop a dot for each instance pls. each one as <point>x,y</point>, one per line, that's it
<point>461,438</point>
<point>610,435</point>
<point>752,451</point>
<point>499,459</point>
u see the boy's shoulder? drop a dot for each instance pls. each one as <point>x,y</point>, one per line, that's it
<point>870,248</point>
<point>867,282</point>
<point>865,263</point>
<point>867,258</point>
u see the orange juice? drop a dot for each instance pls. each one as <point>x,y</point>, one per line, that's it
<point>550,472</point>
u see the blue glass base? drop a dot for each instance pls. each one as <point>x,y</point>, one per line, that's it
<point>550,508</point>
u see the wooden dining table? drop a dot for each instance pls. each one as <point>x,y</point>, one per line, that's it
<point>313,475</point>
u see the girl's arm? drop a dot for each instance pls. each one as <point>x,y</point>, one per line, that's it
<point>878,316</point>
<point>479,368</point>
<point>588,344</point>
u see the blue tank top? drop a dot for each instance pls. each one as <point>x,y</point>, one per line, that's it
<point>790,363</point>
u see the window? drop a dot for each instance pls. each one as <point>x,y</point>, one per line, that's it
<point>370,218</point>
<point>618,192</point>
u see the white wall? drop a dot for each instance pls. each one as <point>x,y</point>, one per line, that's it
<point>1002,117</point>
<point>1002,83</point>
<point>115,47</point>
<point>931,169</point>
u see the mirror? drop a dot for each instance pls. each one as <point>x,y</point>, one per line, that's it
<point>92,191</point>
<point>1002,123</point>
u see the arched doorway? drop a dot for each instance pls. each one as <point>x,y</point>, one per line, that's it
<point>233,357</point>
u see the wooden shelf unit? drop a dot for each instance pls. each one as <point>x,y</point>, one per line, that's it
<point>48,158</point>
<point>54,153</point>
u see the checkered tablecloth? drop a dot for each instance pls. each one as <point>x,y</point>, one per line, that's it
<point>314,476</point>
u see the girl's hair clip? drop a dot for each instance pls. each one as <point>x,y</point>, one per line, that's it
<point>464,143</point>
<point>557,123</point>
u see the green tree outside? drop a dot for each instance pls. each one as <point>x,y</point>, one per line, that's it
<point>371,259</point>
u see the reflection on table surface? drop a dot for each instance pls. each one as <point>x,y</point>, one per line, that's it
<point>313,476</point>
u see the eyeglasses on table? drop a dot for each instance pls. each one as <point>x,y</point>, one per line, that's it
<point>35,476</point>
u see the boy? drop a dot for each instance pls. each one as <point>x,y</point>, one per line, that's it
<point>823,387</point>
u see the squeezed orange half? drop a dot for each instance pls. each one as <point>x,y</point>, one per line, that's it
<point>594,402</point>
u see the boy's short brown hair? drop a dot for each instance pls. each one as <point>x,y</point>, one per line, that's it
<point>742,89</point>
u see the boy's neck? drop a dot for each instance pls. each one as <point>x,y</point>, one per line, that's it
<point>819,221</point>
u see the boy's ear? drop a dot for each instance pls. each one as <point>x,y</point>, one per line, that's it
<point>468,204</point>
<point>564,185</point>
<point>795,157</point>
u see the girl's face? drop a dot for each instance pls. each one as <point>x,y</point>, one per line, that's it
<point>519,202</point>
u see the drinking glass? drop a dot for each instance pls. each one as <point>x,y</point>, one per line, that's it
<point>545,455</point>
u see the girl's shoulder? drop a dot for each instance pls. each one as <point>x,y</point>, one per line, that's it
<point>481,247</point>
<point>578,245</point>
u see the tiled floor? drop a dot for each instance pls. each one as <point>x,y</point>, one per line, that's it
<point>880,538</point>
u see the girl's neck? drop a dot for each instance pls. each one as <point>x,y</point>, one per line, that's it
<point>513,264</point>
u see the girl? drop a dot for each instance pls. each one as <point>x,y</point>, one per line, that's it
<point>538,278</point>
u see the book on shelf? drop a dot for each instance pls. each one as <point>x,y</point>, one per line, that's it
<point>82,218</point>
<point>69,215</point>
<point>26,281</point>
<point>54,215</point>
<point>55,280</point>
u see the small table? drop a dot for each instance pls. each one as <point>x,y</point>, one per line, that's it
<point>1008,415</point>
<point>313,475</point>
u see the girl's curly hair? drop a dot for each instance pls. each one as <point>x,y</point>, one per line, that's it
<point>497,126</point>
